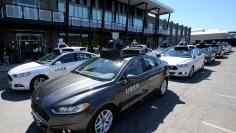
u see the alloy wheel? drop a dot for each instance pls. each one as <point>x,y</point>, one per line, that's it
<point>38,82</point>
<point>163,87</point>
<point>104,121</point>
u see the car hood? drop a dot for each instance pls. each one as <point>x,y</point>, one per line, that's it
<point>24,67</point>
<point>64,88</point>
<point>174,60</point>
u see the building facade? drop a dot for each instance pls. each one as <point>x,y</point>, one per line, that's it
<point>85,22</point>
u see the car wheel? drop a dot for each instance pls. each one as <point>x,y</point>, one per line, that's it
<point>163,88</point>
<point>36,82</point>
<point>191,73</point>
<point>202,68</point>
<point>102,121</point>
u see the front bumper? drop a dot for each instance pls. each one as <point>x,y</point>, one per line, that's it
<point>51,123</point>
<point>180,72</point>
<point>19,83</point>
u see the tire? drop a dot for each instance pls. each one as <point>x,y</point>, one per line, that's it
<point>202,68</point>
<point>39,79</point>
<point>163,88</point>
<point>106,110</point>
<point>191,72</point>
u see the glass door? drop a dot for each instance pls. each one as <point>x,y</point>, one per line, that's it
<point>25,44</point>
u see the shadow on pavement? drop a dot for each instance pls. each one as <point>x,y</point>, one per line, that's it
<point>198,77</point>
<point>10,95</point>
<point>215,63</point>
<point>34,129</point>
<point>146,116</point>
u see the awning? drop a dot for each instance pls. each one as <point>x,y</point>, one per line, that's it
<point>152,4</point>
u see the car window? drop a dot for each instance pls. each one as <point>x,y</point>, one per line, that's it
<point>62,46</point>
<point>67,58</point>
<point>134,68</point>
<point>82,49</point>
<point>83,56</point>
<point>149,63</point>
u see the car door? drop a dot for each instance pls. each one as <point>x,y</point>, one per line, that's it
<point>195,60</point>
<point>131,92</point>
<point>153,74</point>
<point>200,59</point>
<point>63,65</point>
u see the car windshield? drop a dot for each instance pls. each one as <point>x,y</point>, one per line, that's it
<point>48,58</point>
<point>203,50</point>
<point>179,53</point>
<point>100,69</point>
<point>216,48</point>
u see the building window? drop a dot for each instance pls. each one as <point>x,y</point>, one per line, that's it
<point>97,14</point>
<point>61,5</point>
<point>108,17</point>
<point>174,32</point>
<point>30,3</point>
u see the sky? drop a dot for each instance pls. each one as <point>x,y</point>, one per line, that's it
<point>207,14</point>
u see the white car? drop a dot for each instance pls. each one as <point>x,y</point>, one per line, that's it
<point>183,61</point>
<point>30,75</point>
<point>226,47</point>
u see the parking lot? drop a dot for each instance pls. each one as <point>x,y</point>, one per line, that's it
<point>203,104</point>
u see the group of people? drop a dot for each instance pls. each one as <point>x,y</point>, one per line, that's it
<point>10,54</point>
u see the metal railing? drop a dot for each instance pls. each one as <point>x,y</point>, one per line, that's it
<point>30,13</point>
<point>37,14</point>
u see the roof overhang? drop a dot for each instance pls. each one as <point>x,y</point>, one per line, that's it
<point>152,6</point>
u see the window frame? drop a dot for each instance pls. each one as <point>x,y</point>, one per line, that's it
<point>122,75</point>
<point>154,61</point>
<point>66,55</point>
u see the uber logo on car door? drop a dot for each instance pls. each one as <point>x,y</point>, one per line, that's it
<point>132,88</point>
<point>60,69</point>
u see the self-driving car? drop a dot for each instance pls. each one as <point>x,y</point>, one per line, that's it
<point>218,50</point>
<point>29,76</point>
<point>90,98</point>
<point>226,47</point>
<point>162,48</point>
<point>206,50</point>
<point>183,61</point>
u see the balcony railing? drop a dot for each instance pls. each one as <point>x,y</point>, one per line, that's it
<point>9,11</point>
<point>30,13</point>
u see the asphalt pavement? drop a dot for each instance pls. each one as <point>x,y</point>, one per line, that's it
<point>203,104</point>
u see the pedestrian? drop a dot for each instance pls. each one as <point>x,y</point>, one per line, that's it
<point>35,51</point>
<point>40,52</point>
<point>6,57</point>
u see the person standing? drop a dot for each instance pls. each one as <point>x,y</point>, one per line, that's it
<point>35,51</point>
<point>6,57</point>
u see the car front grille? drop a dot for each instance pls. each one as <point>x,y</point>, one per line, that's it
<point>39,111</point>
<point>9,77</point>
<point>173,67</point>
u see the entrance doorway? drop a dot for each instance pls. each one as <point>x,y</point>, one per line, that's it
<point>26,42</point>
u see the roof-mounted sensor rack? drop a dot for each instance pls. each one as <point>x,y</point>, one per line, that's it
<point>181,48</point>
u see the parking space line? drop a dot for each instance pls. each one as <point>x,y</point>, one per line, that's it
<point>217,127</point>
<point>226,96</point>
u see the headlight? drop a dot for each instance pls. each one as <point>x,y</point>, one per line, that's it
<point>21,75</point>
<point>183,65</point>
<point>70,109</point>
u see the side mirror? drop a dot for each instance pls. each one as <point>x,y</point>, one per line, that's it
<point>130,78</point>
<point>58,63</point>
